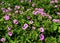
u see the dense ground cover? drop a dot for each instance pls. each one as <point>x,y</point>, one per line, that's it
<point>29,21</point>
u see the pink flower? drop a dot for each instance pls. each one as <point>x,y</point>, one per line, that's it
<point>36,9</point>
<point>33,27</point>
<point>41,37</point>
<point>25,26</point>
<point>51,2</point>
<point>43,14</point>
<point>30,0</point>
<point>21,12</point>
<point>28,17</point>
<point>56,1</point>
<point>15,21</point>
<point>6,17</point>
<point>16,11</point>
<point>49,16</point>
<point>17,7</point>
<point>9,28</point>
<point>9,9</point>
<point>58,13</point>
<point>41,29</point>
<point>3,10</point>
<point>40,10</point>
<point>33,5</point>
<point>34,12</point>
<point>56,20</point>
<point>31,21</point>
<point>10,33</point>
<point>2,40</point>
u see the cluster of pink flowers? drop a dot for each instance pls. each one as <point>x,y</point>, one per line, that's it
<point>41,35</point>
<point>25,26</point>
<point>17,7</point>
<point>6,17</point>
<point>56,20</point>
<point>38,10</point>
<point>9,32</point>
<point>17,10</point>
<point>56,6</point>
<point>31,22</point>
<point>53,1</point>
<point>4,10</point>
<point>41,12</point>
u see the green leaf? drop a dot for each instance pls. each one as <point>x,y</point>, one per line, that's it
<point>59,29</point>
<point>54,27</point>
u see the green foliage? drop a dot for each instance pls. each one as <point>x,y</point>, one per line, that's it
<point>50,40</point>
<point>54,27</point>
<point>58,39</point>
